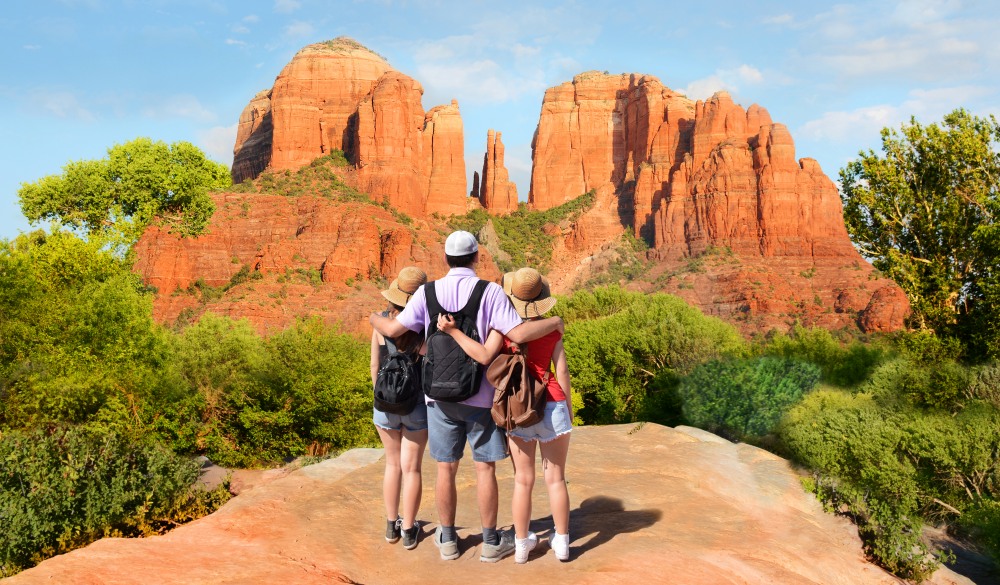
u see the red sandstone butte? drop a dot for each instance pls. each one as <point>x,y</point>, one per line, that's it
<point>338,95</point>
<point>695,178</point>
<point>497,193</point>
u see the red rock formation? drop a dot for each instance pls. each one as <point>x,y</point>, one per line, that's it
<point>692,177</point>
<point>315,97</point>
<point>252,152</point>
<point>339,95</point>
<point>444,160</point>
<point>496,193</point>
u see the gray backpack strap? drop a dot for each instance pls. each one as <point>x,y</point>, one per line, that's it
<point>390,346</point>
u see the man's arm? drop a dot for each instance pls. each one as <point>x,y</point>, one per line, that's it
<point>529,330</point>
<point>387,327</point>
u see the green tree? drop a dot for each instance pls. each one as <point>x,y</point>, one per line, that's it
<point>115,198</point>
<point>924,213</point>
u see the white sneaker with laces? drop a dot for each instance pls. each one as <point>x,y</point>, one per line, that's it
<point>523,546</point>
<point>560,545</point>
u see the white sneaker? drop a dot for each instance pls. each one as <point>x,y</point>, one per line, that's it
<point>523,546</point>
<point>560,545</point>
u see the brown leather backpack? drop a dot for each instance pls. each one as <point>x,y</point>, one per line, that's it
<point>519,399</point>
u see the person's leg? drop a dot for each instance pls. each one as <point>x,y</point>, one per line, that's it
<point>487,493</point>
<point>391,440</point>
<point>445,493</point>
<point>523,454</point>
<point>447,441</point>
<point>554,455</point>
<point>411,458</point>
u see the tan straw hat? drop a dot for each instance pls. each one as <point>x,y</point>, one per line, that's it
<point>505,281</point>
<point>529,291</point>
<point>407,283</point>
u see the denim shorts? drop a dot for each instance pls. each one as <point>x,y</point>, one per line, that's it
<point>555,423</point>
<point>452,424</point>
<point>415,421</point>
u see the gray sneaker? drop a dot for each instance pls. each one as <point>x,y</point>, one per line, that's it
<point>492,553</point>
<point>410,536</point>
<point>392,528</point>
<point>449,550</point>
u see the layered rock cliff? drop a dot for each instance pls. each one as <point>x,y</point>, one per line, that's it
<point>496,192</point>
<point>693,178</point>
<point>339,95</point>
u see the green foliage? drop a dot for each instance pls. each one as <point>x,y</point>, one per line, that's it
<point>924,211</point>
<point>888,464</point>
<point>523,234</point>
<point>629,263</point>
<point>843,365</point>
<point>62,488</point>
<point>745,396</point>
<point>77,341</point>
<point>114,199</point>
<point>625,348</point>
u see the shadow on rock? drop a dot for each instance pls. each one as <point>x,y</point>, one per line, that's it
<point>603,517</point>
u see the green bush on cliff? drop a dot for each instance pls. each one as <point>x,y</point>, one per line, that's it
<point>842,364</point>
<point>63,487</point>
<point>523,234</point>
<point>746,396</point>
<point>626,349</point>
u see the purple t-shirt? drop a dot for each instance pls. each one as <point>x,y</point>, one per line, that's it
<point>453,291</point>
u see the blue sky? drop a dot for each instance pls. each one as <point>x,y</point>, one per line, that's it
<point>79,76</point>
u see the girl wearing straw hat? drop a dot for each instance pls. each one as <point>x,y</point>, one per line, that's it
<point>529,292</point>
<point>404,436</point>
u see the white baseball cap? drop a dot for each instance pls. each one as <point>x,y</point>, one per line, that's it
<point>460,244</point>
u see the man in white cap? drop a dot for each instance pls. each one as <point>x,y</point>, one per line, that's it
<point>451,424</point>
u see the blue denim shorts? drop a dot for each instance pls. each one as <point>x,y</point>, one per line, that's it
<point>452,424</point>
<point>415,421</point>
<point>555,423</point>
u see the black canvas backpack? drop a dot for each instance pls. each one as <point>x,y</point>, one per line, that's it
<point>449,374</point>
<point>397,384</point>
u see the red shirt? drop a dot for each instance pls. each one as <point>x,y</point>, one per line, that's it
<point>539,358</point>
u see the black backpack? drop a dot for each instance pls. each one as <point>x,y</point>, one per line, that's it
<point>450,375</point>
<point>397,384</point>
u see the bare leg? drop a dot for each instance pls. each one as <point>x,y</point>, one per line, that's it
<point>391,440</point>
<point>487,493</point>
<point>523,455</point>
<point>554,455</point>
<point>445,493</point>
<point>411,458</point>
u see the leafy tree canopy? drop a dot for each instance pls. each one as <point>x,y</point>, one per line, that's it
<point>925,213</point>
<point>115,198</point>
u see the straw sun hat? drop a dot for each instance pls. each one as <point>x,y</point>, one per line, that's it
<point>529,291</point>
<point>407,283</point>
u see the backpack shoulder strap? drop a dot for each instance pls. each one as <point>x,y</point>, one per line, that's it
<point>471,308</point>
<point>433,307</point>
<point>390,345</point>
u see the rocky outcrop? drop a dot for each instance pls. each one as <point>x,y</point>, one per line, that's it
<point>338,95</point>
<point>497,193</point>
<point>646,502</point>
<point>315,99</point>
<point>252,152</point>
<point>693,178</point>
<point>278,258</point>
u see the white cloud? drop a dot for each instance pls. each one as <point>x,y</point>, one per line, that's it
<point>916,12</point>
<point>481,81</point>
<point>286,5</point>
<point>251,18</point>
<point>31,47</point>
<point>218,142</point>
<point>61,104</point>
<point>300,29</point>
<point>179,106</point>
<point>240,29</point>
<point>779,19</point>
<point>730,80</point>
<point>926,106</point>
<point>236,42</point>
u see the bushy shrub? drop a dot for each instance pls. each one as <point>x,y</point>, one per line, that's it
<point>905,381</point>
<point>892,463</point>
<point>624,347</point>
<point>64,487</point>
<point>745,396</point>
<point>843,365</point>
